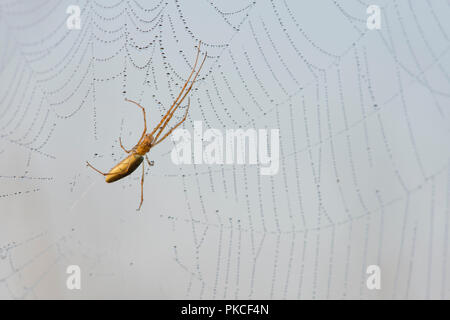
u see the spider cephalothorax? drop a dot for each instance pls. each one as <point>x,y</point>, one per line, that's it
<point>145,145</point>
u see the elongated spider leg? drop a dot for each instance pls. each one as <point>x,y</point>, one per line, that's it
<point>150,163</point>
<point>121,145</point>
<point>142,187</point>
<point>107,174</point>
<point>166,122</point>
<point>145,120</point>
<point>181,100</point>
<point>181,92</point>
<point>89,165</point>
<point>177,125</point>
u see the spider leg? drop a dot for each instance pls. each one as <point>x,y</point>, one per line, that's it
<point>142,187</point>
<point>181,92</point>
<point>166,122</point>
<point>107,174</point>
<point>127,151</point>
<point>177,125</point>
<point>184,96</point>
<point>145,120</point>
<point>89,165</point>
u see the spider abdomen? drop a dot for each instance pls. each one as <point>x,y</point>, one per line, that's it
<point>124,167</point>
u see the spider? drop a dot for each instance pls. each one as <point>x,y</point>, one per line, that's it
<point>147,141</point>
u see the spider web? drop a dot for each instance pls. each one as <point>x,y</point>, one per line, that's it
<point>364,155</point>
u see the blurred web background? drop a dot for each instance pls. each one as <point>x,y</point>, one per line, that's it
<point>364,150</point>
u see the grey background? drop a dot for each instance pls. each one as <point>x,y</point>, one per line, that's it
<point>364,150</point>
